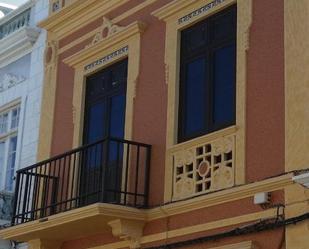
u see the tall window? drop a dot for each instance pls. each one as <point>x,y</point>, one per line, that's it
<point>9,121</point>
<point>207,100</point>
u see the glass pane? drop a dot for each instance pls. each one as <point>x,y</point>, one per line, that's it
<point>96,85</point>
<point>117,116</point>
<point>119,74</point>
<point>4,123</point>
<point>195,92</point>
<point>224,86</point>
<point>96,124</point>
<point>225,25</point>
<point>11,164</point>
<point>117,120</point>
<point>114,166</point>
<point>195,37</point>
<point>15,118</point>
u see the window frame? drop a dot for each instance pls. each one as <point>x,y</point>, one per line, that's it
<point>179,15</point>
<point>6,139</point>
<point>206,51</point>
<point>93,54</point>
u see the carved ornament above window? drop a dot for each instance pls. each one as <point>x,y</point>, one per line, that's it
<point>10,80</point>
<point>107,29</point>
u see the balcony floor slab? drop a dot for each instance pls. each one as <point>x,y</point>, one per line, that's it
<point>74,224</point>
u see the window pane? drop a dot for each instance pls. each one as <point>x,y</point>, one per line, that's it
<point>117,116</point>
<point>4,123</point>
<point>15,118</point>
<point>117,120</point>
<point>96,123</point>
<point>224,87</point>
<point>195,92</point>
<point>225,25</point>
<point>11,164</point>
<point>97,85</point>
<point>194,38</point>
<point>119,75</point>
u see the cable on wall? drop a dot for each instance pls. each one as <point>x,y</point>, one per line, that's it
<point>263,225</point>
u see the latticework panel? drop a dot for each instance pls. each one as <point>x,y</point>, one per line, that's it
<point>203,168</point>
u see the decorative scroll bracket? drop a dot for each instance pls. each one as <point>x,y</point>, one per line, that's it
<point>131,230</point>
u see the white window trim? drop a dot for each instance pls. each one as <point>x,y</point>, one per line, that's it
<point>6,138</point>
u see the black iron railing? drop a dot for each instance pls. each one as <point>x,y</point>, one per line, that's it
<point>109,171</point>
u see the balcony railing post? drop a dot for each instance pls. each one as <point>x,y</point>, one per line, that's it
<point>104,165</point>
<point>147,174</point>
<point>24,203</point>
<point>16,196</point>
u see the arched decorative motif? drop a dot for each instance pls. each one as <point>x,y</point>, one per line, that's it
<point>107,29</point>
<point>50,52</point>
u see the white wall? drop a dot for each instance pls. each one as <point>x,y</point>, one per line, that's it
<point>29,91</point>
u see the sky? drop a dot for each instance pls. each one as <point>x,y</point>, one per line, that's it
<point>13,2</point>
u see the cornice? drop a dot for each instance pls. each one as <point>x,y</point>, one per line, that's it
<point>172,8</point>
<point>78,14</point>
<point>17,44</point>
<point>220,197</point>
<point>176,6</point>
<point>90,51</point>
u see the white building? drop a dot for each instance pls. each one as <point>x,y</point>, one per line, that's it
<point>22,47</point>
<point>5,9</point>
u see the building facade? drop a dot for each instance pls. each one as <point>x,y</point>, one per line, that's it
<point>21,82</point>
<point>170,124</point>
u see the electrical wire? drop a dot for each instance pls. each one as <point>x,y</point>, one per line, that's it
<point>263,225</point>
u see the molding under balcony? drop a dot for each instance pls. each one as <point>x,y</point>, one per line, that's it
<point>75,223</point>
<point>17,44</point>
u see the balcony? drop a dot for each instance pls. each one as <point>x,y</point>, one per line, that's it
<point>17,35</point>
<point>14,23</point>
<point>112,171</point>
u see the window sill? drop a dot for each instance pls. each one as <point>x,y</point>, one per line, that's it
<point>204,139</point>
